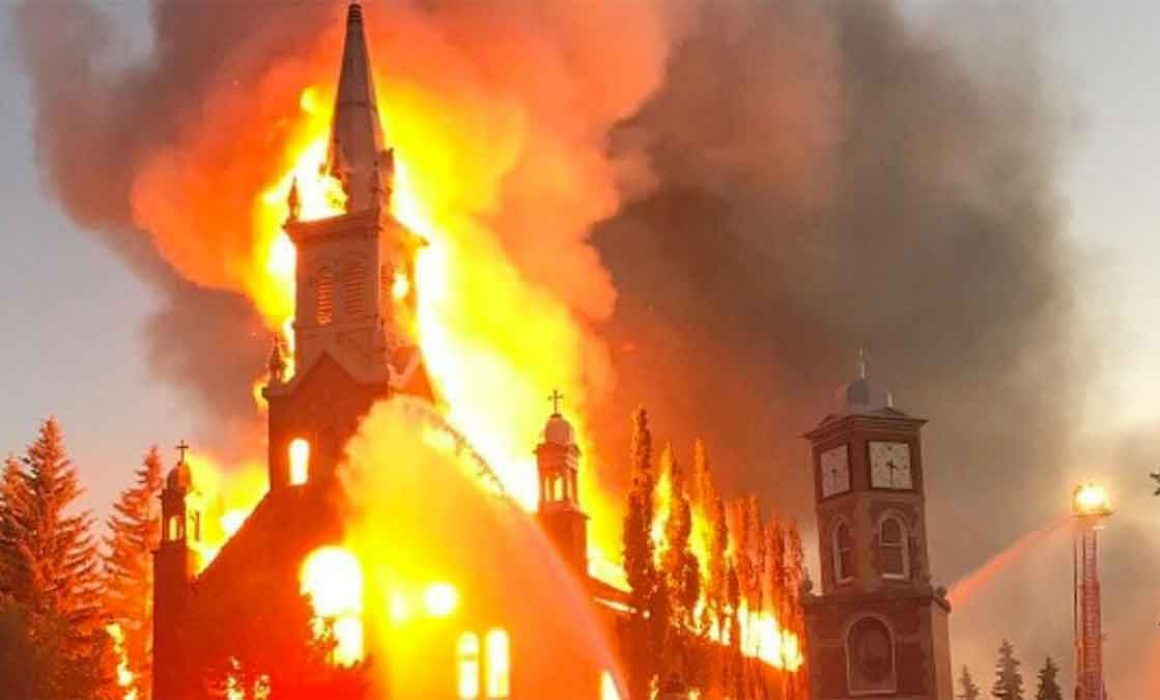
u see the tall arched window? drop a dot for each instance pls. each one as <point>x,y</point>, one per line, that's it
<point>870,657</point>
<point>324,297</point>
<point>497,653</point>
<point>893,553</point>
<point>299,454</point>
<point>843,552</point>
<point>467,665</point>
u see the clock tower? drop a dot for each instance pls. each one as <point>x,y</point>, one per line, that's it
<point>877,627</point>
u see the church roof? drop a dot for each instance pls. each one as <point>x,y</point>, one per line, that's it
<point>356,153</point>
<point>558,431</point>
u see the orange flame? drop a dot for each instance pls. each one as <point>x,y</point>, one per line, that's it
<point>332,577</point>
<point>126,679</point>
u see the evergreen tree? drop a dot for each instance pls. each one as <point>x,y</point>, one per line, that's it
<point>14,499</point>
<point>639,562</point>
<point>134,532</point>
<point>1008,677</point>
<point>53,572</point>
<point>1048,685</point>
<point>968,690</point>
<point>682,574</point>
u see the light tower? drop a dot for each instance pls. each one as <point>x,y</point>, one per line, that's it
<point>1091,508</point>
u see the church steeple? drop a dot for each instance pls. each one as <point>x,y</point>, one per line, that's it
<point>357,155</point>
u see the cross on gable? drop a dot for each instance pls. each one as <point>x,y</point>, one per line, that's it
<point>555,397</point>
<point>182,448</point>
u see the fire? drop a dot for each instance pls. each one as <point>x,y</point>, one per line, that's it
<point>223,498</point>
<point>440,599</point>
<point>332,578</point>
<point>125,677</point>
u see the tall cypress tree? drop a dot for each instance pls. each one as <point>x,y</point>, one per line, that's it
<point>1008,677</point>
<point>682,574</point>
<point>134,531</point>
<point>54,568</point>
<point>1048,685</point>
<point>639,564</point>
<point>968,690</point>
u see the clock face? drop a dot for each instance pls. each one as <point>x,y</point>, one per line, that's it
<point>835,465</point>
<point>890,465</point>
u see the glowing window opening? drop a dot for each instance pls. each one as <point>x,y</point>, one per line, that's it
<point>467,665</point>
<point>499,663</point>
<point>299,461</point>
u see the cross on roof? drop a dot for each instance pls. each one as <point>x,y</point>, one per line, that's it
<point>555,399</point>
<point>182,448</point>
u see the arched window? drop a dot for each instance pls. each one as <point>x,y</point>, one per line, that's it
<point>173,528</point>
<point>467,665</point>
<point>893,553</point>
<point>299,453</point>
<point>843,552</point>
<point>870,657</point>
<point>497,653</point>
<point>324,297</point>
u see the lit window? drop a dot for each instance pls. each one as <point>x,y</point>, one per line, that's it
<point>467,665</point>
<point>324,297</point>
<point>843,553</point>
<point>299,461</point>
<point>499,664</point>
<point>892,549</point>
<point>173,529</point>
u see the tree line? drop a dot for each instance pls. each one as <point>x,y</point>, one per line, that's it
<point>704,575</point>
<point>75,599</point>
<point>1008,683</point>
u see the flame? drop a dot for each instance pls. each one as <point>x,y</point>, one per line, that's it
<point>223,497</point>
<point>762,635</point>
<point>125,677</point>
<point>332,577</point>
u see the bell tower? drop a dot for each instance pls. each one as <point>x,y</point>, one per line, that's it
<point>355,293</point>
<point>878,627</point>
<point>174,567</point>
<point>557,462</point>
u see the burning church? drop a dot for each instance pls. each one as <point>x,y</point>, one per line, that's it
<point>352,347</point>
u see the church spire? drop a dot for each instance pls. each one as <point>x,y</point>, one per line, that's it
<point>356,154</point>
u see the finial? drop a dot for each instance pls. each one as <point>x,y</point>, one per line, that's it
<point>277,362</point>
<point>555,397</point>
<point>294,201</point>
<point>182,448</point>
<point>863,364</point>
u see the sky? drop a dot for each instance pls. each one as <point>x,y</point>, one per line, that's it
<point>73,315</point>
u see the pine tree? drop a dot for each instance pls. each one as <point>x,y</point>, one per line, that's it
<point>639,563</point>
<point>1008,677</point>
<point>968,690</point>
<point>14,498</point>
<point>54,572</point>
<point>134,531</point>
<point>1048,685</point>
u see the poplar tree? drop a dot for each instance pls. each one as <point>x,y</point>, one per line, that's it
<point>968,690</point>
<point>1048,685</point>
<point>134,532</point>
<point>639,563</point>
<point>53,572</point>
<point>682,575</point>
<point>1008,677</point>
